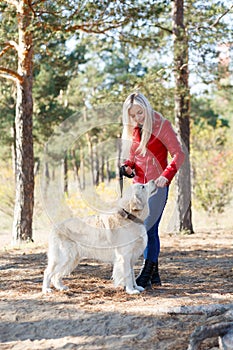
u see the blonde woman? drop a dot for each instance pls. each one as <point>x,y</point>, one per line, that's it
<point>147,139</point>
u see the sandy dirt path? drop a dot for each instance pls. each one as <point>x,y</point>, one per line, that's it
<point>196,272</point>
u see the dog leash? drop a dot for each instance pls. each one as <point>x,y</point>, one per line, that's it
<point>123,173</point>
<point>121,179</point>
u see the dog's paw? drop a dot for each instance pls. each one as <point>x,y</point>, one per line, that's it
<point>62,287</point>
<point>131,291</point>
<point>47,290</point>
<point>141,289</point>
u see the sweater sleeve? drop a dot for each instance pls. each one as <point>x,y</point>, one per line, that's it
<point>170,140</point>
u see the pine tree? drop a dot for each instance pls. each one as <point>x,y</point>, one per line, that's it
<point>27,22</point>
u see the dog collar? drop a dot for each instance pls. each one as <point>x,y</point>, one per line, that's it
<point>125,214</point>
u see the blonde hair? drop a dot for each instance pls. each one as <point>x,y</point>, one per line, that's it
<point>139,99</point>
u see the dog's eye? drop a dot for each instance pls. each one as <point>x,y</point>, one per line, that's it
<point>142,186</point>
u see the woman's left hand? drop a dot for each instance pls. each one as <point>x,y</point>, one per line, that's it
<point>161,181</point>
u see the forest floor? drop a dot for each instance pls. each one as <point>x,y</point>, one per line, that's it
<point>196,272</point>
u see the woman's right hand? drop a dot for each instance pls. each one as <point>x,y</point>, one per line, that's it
<point>128,170</point>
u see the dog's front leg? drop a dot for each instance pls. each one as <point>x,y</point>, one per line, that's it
<point>46,282</point>
<point>130,283</point>
<point>130,288</point>
<point>122,272</point>
<point>139,288</point>
<point>57,282</point>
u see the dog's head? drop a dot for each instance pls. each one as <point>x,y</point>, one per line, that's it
<point>137,196</point>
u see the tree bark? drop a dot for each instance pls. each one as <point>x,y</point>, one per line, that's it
<point>96,165</point>
<point>182,116</point>
<point>82,169</point>
<point>76,167</point>
<point>65,173</point>
<point>108,171</point>
<point>102,168</point>
<point>24,196</point>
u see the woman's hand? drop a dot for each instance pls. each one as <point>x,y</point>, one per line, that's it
<point>128,170</point>
<point>161,181</point>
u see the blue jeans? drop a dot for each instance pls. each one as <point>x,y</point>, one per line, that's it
<point>157,204</point>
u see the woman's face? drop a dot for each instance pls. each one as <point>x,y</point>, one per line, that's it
<point>137,114</point>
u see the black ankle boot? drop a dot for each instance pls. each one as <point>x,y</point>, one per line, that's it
<point>144,278</point>
<point>155,278</point>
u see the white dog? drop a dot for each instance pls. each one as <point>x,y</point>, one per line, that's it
<point>119,238</point>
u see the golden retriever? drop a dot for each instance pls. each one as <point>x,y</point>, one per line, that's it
<point>118,237</point>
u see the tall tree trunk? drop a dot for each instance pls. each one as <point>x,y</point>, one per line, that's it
<point>102,167</point>
<point>65,172</point>
<point>96,171</point>
<point>108,170</point>
<point>76,167</point>
<point>182,115</point>
<point>82,169</point>
<point>13,149</point>
<point>90,149</point>
<point>24,196</point>
<point>91,157</point>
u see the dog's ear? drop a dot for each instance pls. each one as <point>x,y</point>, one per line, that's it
<point>135,198</point>
<point>137,203</point>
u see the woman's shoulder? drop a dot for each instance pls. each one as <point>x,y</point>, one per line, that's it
<point>159,118</point>
<point>159,122</point>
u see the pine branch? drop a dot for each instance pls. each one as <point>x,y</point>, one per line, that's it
<point>31,7</point>
<point>216,22</point>
<point>163,28</point>
<point>100,27</point>
<point>11,44</point>
<point>94,28</point>
<point>10,74</point>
